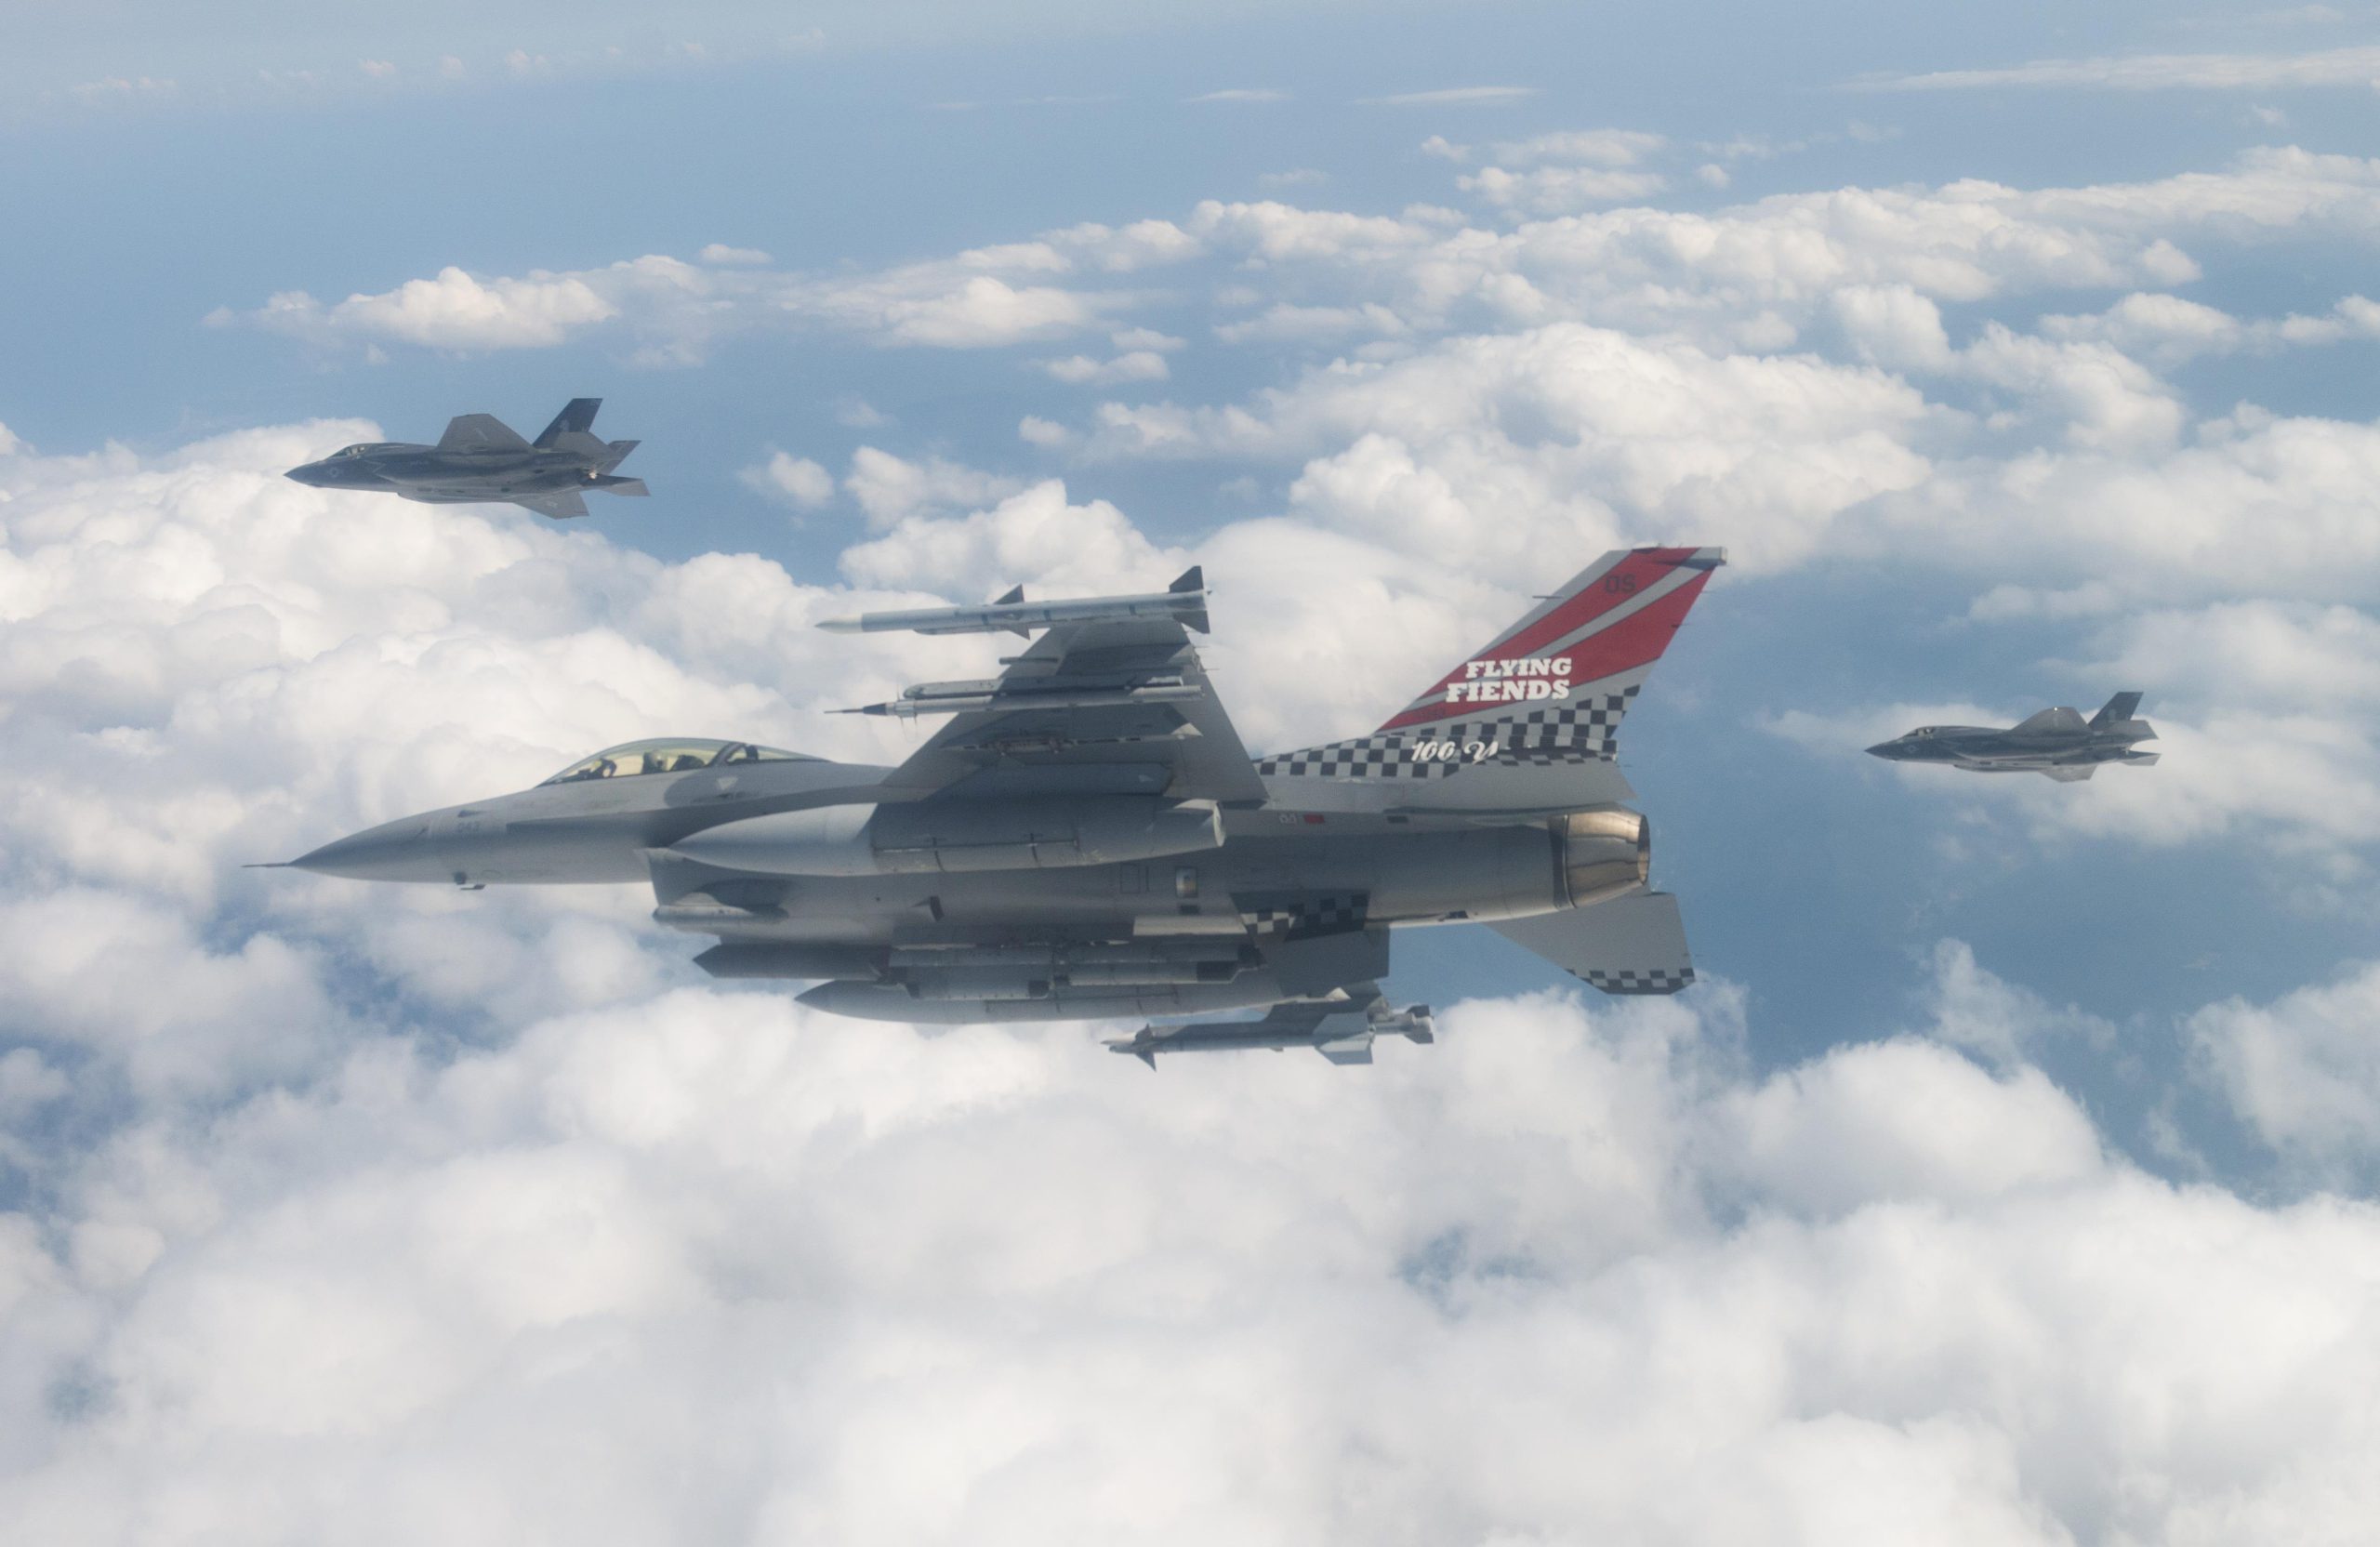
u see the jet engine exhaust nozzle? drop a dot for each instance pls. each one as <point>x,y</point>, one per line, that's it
<point>1602,853</point>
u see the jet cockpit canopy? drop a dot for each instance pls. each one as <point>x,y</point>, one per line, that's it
<point>670,755</point>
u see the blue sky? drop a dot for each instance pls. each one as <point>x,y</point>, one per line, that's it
<point>2018,358</point>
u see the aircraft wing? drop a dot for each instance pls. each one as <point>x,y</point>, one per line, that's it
<point>1630,945</point>
<point>480,432</point>
<point>561,504</point>
<point>1109,707</point>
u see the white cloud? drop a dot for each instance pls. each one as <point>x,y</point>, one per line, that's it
<point>2304,1071</point>
<point>891,489</point>
<point>2249,504</point>
<point>1285,323</point>
<point>980,299</point>
<point>1613,147</point>
<point>1145,339</point>
<point>984,311</point>
<point>1282,232</point>
<point>391,1214</point>
<point>795,478</point>
<point>1043,433</point>
<point>2357,66</point>
<point>1455,96</point>
<point>1559,189</point>
<point>1035,532</point>
<point>2000,1022</point>
<point>1241,94</point>
<point>1574,437</point>
<point>454,310</point>
<point>1082,370</point>
<point>2169,330</point>
<point>1893,325</point>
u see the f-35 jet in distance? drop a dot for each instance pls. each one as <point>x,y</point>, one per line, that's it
<point>2058,741</point>
<point>1087,838</point>
<point>480,458</point>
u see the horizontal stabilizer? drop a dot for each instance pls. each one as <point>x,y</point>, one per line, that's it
<point>612,485</point>
<point>1632,945</point>
<point>480,432</point>
<point>577,417</point>
<point>561,504</point>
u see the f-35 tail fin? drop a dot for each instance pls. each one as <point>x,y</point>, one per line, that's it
<point>577,417</point>
<point>2123,706</point>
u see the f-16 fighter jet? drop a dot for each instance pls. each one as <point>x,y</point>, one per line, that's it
<point>479,460</point>
<point>2060,742</point>
<point>1087,838</point>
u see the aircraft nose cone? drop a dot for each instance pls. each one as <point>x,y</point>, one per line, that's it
<point>1888,750</point>
<point>311,475</point>
<point>396,851</point>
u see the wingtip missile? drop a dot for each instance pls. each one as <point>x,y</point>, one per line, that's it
<point>1184,602</point>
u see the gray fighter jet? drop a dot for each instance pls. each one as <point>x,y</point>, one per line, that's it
<point>1087,838</point>
<point>480,458</point>
<point>2058,741</point>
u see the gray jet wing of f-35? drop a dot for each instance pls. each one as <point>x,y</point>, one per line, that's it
<point>481,460</point>
<point>1085,837</point>
<point>2056,742</point>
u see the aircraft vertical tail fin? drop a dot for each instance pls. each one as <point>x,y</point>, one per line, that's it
<point>1192,579</point>
<point>2123,706</point>
<point>577,417</point>
<point>1511,724</point>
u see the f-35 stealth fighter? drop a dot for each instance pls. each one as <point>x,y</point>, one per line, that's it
<point>2058,741</point>
<point>1087,838</point>
<point>480,458</point>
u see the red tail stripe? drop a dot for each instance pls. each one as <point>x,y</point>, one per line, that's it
<point>1640,571</point>
<point>1636,639</point>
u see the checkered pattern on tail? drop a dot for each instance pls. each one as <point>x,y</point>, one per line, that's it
<point>1293,918</point>
<point>1583,730</point>
<point>1630,980</point>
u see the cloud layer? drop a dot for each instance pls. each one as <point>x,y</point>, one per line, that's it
<point>389,1214</point>
<point>487,1212</point>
